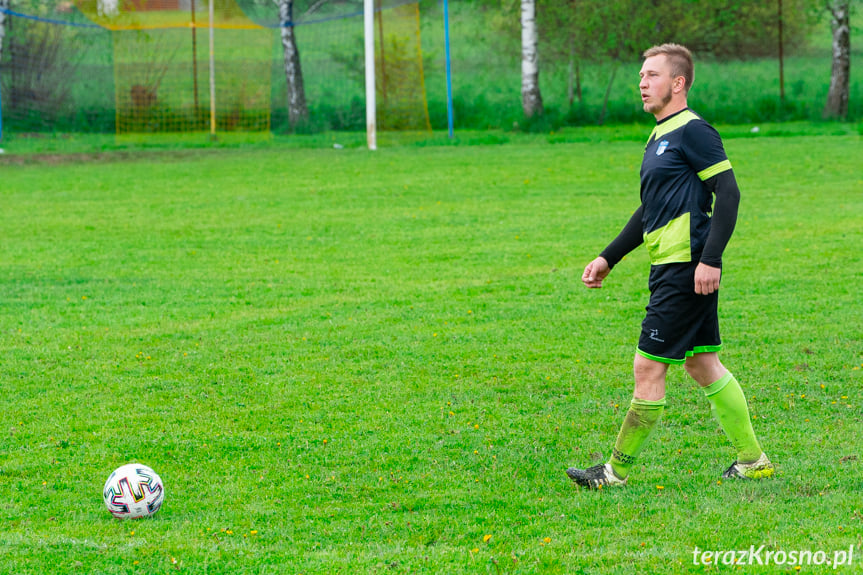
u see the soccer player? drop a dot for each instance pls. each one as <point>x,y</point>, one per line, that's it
<point>685,233</point>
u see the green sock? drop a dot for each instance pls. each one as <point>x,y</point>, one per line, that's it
<point>728,405</point>
<point>640,421</point>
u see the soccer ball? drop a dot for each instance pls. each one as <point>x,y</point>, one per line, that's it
<point>133,491</point>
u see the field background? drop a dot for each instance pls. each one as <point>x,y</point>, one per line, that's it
<point>486,79</point>
<point>342,361</point>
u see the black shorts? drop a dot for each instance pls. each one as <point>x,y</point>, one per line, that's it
<point>679,323</point>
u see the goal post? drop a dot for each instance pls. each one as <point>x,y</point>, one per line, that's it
<point>371,99</point>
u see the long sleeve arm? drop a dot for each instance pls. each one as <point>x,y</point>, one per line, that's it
<point>627,240</point>
<point>724,187</point>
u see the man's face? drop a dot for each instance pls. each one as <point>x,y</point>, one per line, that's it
<point>656,83</point>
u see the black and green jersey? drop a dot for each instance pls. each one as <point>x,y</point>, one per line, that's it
<point>683,151</point>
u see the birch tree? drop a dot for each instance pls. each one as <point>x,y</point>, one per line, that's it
<point>298,111</point>
<point>109,7</point>
<point>4,5</point>
<point>840,24</point>
<point>531,98</point>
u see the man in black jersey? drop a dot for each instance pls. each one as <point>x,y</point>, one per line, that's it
<point>685,233</point>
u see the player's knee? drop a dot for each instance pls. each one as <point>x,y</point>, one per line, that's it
<point>645,368</point>
<point>649,378</point>
<point>694,370</point>
<point>704,368</point>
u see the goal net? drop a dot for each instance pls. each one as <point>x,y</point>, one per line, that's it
<point>143,66</point>
<point>161,53</point>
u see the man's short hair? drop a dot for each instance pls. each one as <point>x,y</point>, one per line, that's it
<point>680,59</point>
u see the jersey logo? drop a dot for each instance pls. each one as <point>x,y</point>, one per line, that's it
<point>661,149</point>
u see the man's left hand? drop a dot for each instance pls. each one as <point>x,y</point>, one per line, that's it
<point>707,279</point>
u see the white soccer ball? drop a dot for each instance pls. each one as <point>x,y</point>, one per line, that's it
<point>133,491</point>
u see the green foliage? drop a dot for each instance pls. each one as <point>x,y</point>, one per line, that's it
<point>597,30</point>
<point>42,87</point>
<point>740,29</point>
<point>486,80</point>
<point>578,34</point>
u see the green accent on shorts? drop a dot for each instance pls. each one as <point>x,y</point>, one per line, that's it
<point>670,361</point>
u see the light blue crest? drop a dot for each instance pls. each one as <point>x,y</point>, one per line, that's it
<point>661,149</point>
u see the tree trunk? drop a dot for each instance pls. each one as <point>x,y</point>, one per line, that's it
<point>109,7</point>
<point>574,86</point>
<point>578,82</point>
<point>4,5</point>
<point>570,87</point>
<point>298,111</point>
<point>781,56</point>
<point>531,99</point>
<point>607,95</point>
<point>840,24</point>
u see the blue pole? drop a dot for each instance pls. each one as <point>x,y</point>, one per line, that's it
<point>448,68</point>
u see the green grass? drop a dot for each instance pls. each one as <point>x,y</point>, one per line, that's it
<point>66,147</point>
<point>347,362</point>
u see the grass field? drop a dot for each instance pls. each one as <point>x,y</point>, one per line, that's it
<point>352,362</point>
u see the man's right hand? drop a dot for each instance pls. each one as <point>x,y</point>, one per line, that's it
<point>595,272</point>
